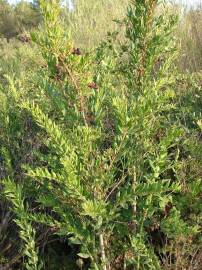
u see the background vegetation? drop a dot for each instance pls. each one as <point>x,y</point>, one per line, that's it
<point>100,136</point>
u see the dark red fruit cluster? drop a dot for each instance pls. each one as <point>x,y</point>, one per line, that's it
<point>93,85</point>
<point>76,51</point>
<point>24,39</point>
<point>167,209</point>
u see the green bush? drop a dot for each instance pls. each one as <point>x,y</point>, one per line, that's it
<point>15,19</point>
<point>101,148</point>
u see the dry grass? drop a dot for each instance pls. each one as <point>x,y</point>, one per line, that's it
<point>91,20</point>
<point>190,33</point>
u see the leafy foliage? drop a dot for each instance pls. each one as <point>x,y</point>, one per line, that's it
<point>27,233</point>
<point>108,146</point>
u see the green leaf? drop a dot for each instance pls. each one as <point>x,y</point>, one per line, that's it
<point>83,255</point>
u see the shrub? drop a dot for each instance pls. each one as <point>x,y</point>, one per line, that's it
<point>106,172</point>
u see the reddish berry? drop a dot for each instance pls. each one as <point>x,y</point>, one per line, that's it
<point>76,51</point>
<point>93,85</point>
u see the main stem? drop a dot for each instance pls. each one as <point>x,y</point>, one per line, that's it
<point>134,205</point>
<point>102,249</point>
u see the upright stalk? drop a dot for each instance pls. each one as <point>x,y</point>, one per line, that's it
<point>134,205</point>
<point>102,249</point>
